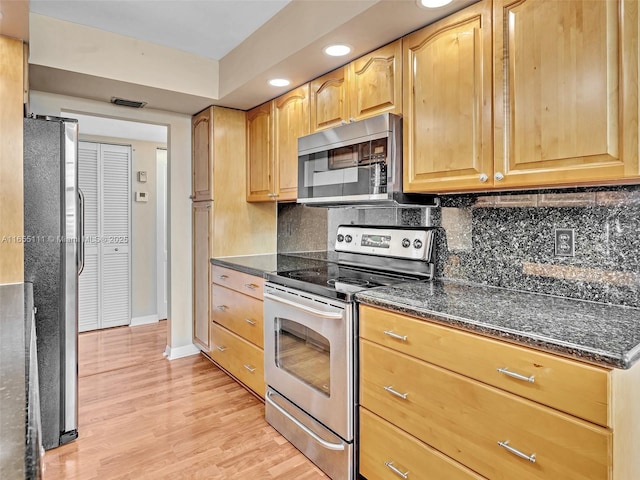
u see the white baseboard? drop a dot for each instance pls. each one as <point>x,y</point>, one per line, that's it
<point>147,319</point>
<point>179,352</point>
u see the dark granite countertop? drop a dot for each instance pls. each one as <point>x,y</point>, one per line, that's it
<point>20,456</point>
<point>272,263</point>
<point>607,335</point>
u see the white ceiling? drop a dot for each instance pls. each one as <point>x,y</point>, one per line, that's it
<point>209,28</point>
<point>244,43</point>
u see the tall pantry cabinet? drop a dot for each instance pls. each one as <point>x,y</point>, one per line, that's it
<point>223,223</point>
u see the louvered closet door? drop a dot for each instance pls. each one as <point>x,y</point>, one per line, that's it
<point>115,235</point>
<point>104,287</point>
<point>88,287</point>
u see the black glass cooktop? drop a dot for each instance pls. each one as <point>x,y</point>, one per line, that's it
<point>337,281</point>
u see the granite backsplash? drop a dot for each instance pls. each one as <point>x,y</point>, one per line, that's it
<point>508,240</point>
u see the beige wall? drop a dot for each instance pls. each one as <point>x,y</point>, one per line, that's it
<point>143,223</point>
<point>11,133</point>
<point>179,151</point>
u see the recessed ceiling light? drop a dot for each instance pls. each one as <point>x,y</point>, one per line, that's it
<point>337,50</point>
<point>433,3</point>
<point>279,82</point>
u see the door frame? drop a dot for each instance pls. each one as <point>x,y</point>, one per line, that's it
<point>162,250</point>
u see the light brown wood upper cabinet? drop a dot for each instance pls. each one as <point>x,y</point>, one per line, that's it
<point>368,86</point>
<point>290,121</point>
<point>447,102</point>
<point>272,135</point>
<point>565,97</point>
<point>259,154</point>
<point>566,92</point>
<point>202,162</point>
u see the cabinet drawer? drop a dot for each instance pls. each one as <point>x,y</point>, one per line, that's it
<point>382,444</point>
<point>242,282</point>
<point>466,419</point>
<point>239,357</point>
<point>239,313</point>
<point>573,387</point>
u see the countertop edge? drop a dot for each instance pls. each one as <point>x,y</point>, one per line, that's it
<point>220,262</point>
<point>565,349</point>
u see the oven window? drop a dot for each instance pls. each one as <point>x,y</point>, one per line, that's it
<point>304,354</point>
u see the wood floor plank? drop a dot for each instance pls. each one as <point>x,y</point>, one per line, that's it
<point>144,417</point>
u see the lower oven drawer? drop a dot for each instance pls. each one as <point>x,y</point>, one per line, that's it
<point>386,453</point>
<point>240,358</point>
<point>466,420</point>
<point>328,451</point>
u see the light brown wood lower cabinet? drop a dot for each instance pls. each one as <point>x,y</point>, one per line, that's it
<point>239,313</point>
<point>239,357</point>
<point>386,452</point>
<point>466,420</point>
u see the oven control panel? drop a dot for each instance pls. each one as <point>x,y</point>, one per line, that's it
<point>398,242</point>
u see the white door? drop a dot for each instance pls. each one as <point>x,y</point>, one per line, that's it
<point>163,273</point>
<point>104,286</point>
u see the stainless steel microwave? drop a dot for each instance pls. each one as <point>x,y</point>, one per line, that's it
<point>359,163</point>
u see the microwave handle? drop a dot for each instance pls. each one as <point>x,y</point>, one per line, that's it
<point>304,308</point>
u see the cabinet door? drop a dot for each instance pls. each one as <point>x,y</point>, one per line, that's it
<point>329,100</point>
<point>375,82</point>
<point>566,86</point>
<point>259,155</point>
<point>447,103</point>
<point>202,229</point>
<point>202,162</point>
<point>290,121</point>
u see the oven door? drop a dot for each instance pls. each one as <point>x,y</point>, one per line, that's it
<point>309,348</point>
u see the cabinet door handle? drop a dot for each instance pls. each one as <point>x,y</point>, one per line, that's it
<point>223,277</point>
<point>395,335</point>
<point>395,392</point>
<point>222,308</point>
<point>483,177</point>
<point>498,176</point>
<point>395,470</point>
<point>249,321</point>
<point>516,452</point>
<point>530,379</point>
<point>221,348</point>
<point>251,286</point>
<point>248,367</point>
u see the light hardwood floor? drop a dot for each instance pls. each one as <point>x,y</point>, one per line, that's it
<point>142,416</point>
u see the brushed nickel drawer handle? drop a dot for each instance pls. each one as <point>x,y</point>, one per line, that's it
<point>518,453</point>
<point>395,392</point>
<point>251,286</point>
<point>395,335</point>
<point>248,367</point>
<point>395,470</point>
<point>249,321</point>
<point>530,379</point>
<point>222,308</point>
<point>223,277</point>
<point>221,348</point>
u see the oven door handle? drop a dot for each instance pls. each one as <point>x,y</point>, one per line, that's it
<point>313,311</point>
<point>302,426</point>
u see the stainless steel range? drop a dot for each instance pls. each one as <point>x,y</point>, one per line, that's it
<point>311,338</point>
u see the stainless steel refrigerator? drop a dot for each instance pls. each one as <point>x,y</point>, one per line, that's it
<point>54,252</point>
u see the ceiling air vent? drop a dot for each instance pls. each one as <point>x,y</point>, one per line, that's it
<point>127,103</point>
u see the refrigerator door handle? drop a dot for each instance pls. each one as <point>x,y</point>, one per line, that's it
<point>81,232</point>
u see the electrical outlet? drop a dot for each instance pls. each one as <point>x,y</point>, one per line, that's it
<point>565,242</point>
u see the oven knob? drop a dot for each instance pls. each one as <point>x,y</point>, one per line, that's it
<point>340,237</point>
<point>348,238</point>
<point>406,243</point>
<point>417,243</point>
